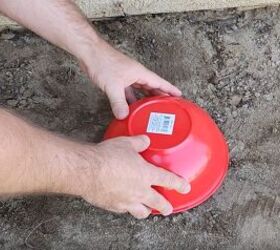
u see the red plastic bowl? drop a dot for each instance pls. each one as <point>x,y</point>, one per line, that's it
<point>184,140</point>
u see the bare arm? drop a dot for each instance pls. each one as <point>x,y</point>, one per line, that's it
<point>61,22</point>
<point>110,175</point>
<point>23,166</point>
<point>58,21</point>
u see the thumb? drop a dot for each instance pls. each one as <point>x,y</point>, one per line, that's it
<point>116,95</point>
<point>140,142</point>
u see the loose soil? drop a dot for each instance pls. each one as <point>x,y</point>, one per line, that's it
<point>226,61</point>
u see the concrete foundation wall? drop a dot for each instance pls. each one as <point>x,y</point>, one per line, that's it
<point>109,8</point>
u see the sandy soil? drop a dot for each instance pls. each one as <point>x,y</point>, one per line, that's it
<point>228,62</point>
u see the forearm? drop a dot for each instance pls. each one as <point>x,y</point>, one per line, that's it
<point>33,160</point>
<point>58,21</point>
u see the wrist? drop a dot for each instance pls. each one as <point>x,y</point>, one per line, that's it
<point>87,44</point>
<point>67,164</point>
<point>98,62</point>
<point>45,171</point>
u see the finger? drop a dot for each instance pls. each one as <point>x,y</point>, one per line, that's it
<point>118,102</point>
<point>158,202</point>
<point>164,178</point>
<point>130,96</point>
<point>140,142</point>
<point>154,81</point>
<point>139,211</point>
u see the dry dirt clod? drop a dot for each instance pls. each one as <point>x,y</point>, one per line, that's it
<point>190,50</point>
<point>235,100</point>
<point>7,35</point>
<point>268,97</point>
<point>12,103</point>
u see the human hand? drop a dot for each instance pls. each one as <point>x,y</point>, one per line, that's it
<point>117,74</point>
<point>111,175</point>
<point>120,180</point>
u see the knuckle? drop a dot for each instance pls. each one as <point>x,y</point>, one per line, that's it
<point>175,182</point>
<point>140,197</point>
<point>154,201</point>
<point>181,184</point>
<point>171,181</point>
<point>159,203</point>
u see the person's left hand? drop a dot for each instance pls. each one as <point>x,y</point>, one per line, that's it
<point>117,74</point>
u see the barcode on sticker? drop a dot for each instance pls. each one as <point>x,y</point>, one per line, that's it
<point>161,123</point>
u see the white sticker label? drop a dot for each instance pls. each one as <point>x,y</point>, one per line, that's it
<point>161,123</point>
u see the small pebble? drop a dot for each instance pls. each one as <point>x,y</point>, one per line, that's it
<point>27,93</point>
<point>167,219</point>
<point>23,102</point>
<point>37,99</point>
<point>7,35</point>
<point>235,100</point>
<point>9,75</point>
<point>268,97</point>
<point>132,222</point>
<point>12,103</point>
<point>234,113</point>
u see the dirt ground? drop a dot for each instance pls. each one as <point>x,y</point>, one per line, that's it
<point>227,61</point>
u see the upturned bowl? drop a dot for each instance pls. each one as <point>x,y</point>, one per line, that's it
<point>184,140</point>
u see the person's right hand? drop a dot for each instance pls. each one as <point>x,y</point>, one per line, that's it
<point>120,180</point>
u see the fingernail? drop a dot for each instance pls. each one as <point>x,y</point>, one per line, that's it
<point>186,188</point>
<point>121,114</point>
<point>146,139</point>
<point>179,92</point>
